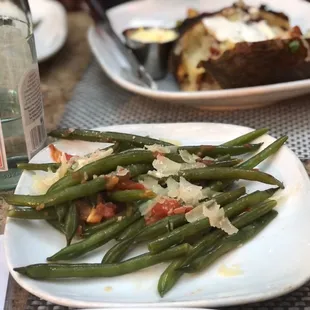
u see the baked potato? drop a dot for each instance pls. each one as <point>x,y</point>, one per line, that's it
<point>238,46</point>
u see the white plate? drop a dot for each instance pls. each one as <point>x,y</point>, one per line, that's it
<point>51,33</point>
<point>274,263</point>
<point>166,13</point>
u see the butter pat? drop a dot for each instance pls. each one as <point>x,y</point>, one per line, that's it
<point>153,35</point>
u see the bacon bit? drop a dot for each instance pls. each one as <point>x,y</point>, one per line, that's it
<point>157,153</point>
<point>101,211</point>
<point>56,154</point>
<point>79,230</point>
<point>207,147</point>
<point>84,208</point>
<point>214,51</point>
<point>149,194</point>
<point>207,162</point>
<point>128,184</point>
<point>295,32</point>
<point>111,182</point>
<point>40,207</point>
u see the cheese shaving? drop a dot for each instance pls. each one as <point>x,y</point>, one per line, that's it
<point>161,148</point>
<point>195,165</point>
<point>121,171</point>
<point>188,157</point>
<point>152,184</point>
<point>42,182</point>
<point>164,167</point>
<point>87,159</point>
<point>173,187</point>
<point>216,215</point>
<point>189,193</point>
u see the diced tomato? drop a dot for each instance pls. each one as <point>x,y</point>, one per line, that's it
<point>165,208</point>
<point>182,210</point>
<point>56,154</point>
<point>128,184</point>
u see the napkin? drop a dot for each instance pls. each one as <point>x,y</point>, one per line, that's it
<point>4,274</point>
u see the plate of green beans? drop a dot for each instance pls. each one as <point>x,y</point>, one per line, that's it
<point>160,215</point>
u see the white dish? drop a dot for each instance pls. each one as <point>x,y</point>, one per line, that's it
<point>274,263</point>
<point>166,13</point>
<point>52,30</point>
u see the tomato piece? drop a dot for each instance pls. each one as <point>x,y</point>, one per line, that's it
<point>182,210</point>
<point>56,154</point>
<point>165,208</point>
<point>129,184</point>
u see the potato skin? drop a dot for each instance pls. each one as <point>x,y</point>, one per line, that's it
<point>260,63</point>
<point>244,65</point>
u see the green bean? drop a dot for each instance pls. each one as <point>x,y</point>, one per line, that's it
<point>246,138</point>
<point>253,161</point>
<point>94,241</point>
<point>103,166</point>
<point>61,212</point>
<point>118,251</point>
<point>216,150</point>
<point>58,197</point>
<point>173,273</point>
<point>71,222</point>
<point>222,157</point>
<point>126,242</point>
<point>156,229</point>
<point>137,169</point>
<point>132,230</point>
<point>229,197</point>
<point>216,173</point>
<point>264,154</point>
<point>44,167</point>
<point>91,229</point>
<point>32,214</point>
<point>225,163</point>
<point>229,243</point>
<point>58,226</point>
<point>100,136</point>
<point>131,195</point>
<point>53,271</point>
<point>178,235</point>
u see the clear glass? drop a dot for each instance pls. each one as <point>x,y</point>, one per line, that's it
<point>17,56</point>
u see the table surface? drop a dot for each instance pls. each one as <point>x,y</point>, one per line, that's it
<point>98,101</point>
